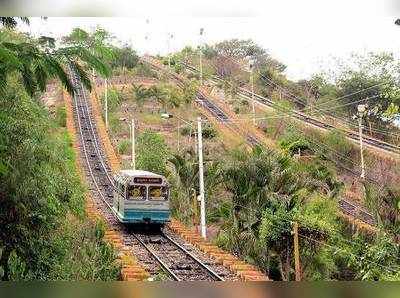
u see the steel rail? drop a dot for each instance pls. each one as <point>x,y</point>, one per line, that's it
<point>82,109</point>
<point>208,269</point>
<point>154,255</point>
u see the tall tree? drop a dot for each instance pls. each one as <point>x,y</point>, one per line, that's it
<point>35,62</point>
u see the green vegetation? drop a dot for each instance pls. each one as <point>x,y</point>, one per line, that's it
<point>371,79</point>
<point>44,233</point>
<point>36,62</point>
<point>124,57</point>
<point>152,153</point>
<point>61,116</point>
<point>124,146</point>
<point>167,95</point>
<point>208,131</point>
<point>255,198</point>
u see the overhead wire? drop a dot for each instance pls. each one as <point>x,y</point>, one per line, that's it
<point>297,99</point>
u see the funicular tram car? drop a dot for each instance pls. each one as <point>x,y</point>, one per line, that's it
<point>141,197</point>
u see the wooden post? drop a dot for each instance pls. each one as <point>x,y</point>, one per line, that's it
<point>296,251</point>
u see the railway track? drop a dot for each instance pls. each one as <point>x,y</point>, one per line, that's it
<point>157,252</point>
<point>345,205</point>
<point>353,136</point>
<point>175,259</point>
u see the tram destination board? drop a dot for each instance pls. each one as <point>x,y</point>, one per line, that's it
<point>147,180</point>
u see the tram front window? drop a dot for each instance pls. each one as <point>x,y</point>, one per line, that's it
<point>137,192</point>
<point>158,193</point>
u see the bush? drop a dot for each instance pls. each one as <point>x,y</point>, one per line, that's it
<point>61,116</point>
<point>143,70</point>
<point>292,140</point>
<point>337,141</point>
<point>42,202</point>
<point>208,131</point>
<point>114,99</point>
<point>152,153</point>
<point>114,123</point>
<point>124,146</point>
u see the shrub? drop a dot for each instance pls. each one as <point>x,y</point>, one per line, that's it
<point>124,146</point>
<point>293,141</point>
<point>114,99</point>
<point>43,235</point>
<point>143,70</point>
<point>61,116</point>
<point>152,152</point>
<point>208,131</point>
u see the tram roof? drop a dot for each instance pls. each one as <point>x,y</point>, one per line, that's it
<point>139,173</point>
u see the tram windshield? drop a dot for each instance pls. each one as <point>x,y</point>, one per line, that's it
<point>158,193</point>
<point>137,192</point>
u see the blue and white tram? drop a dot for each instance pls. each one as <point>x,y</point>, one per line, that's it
<point>141,197</point>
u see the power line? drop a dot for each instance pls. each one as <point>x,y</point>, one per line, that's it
<point>350,94</point>
<point>301,101</point>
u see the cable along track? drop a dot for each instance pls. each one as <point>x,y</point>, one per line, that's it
<point>155,251</point>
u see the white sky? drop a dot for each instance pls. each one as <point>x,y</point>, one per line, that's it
<point>303,34</point>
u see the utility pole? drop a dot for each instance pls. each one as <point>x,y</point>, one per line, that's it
<point>106,102</point>
<point>296,251</point>
<point>147,51</point>
<point>201,181</point>
<point>251,66</point>
<point>133,144</point>
<point>200,56</point>
<point>361,110</point>
<point>170,36</point>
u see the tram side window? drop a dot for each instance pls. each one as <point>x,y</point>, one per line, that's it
<point>137,192</point>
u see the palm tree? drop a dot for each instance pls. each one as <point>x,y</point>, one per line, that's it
<point>37,62</point>
<point>97,42</point>
<point>267,191</point>
<point>36,66</point>
<point>140,93</point>
<point>186,173</point>
<point>12,22</point>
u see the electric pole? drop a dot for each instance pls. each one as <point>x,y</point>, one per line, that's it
<point>201,181</point>
<point>106,102</point>
<point>133,144</point>
<point>147,51</point>
<point>251,66</point>
<point>200,56</point>
<point>296,251</point>
<point>170,36</point>
<point>361,110</point>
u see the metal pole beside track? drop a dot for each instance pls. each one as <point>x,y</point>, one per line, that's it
<point>201,181</point>
<point>361,110</point>
<point>106,102</point>
<point>133,144</point>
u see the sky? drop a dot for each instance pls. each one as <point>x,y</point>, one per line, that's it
<point>305,34</point>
